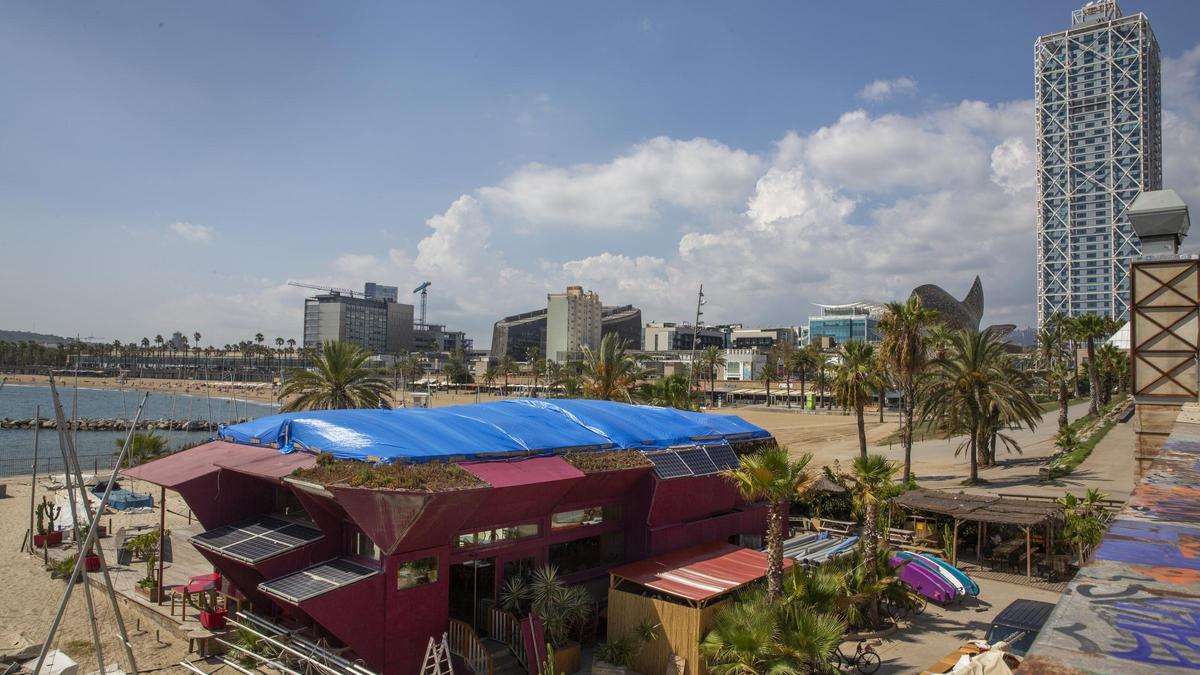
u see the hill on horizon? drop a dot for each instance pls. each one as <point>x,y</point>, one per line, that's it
<point>26,336</point>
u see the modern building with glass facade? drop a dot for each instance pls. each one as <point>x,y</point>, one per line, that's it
<point>853,321</point>
<point>1099,144</point>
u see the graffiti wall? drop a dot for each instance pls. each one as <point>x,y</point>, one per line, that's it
<point>1135,607</point>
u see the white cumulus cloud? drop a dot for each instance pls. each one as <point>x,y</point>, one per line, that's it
<point>881,90</point>
<point>200,234</point>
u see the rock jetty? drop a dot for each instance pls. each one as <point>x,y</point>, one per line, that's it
<point>115,424</point>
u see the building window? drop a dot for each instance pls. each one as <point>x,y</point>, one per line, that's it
<point>362,546</point>
<point>594,515</point>
<point>484,537</point>
<point>587,553</point>
<point>417,573</point>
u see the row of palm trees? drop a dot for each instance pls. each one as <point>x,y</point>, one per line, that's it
<point>142,354</point>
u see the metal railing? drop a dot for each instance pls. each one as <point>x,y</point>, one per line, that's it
<point>465,644</point>
<point>505,627</point>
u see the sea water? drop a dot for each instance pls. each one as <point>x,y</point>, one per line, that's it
<point>97,449</point>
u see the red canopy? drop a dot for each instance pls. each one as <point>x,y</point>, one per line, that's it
<point>698,573</point>
<point>181,467</point>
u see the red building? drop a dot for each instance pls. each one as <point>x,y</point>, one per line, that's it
<point>442,505</point>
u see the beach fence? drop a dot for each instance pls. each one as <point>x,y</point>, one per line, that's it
<point>50,462</point>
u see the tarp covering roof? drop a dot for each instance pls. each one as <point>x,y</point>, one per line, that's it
<point>511,427</point>
<point>698,573</point>
<point>980,508</point>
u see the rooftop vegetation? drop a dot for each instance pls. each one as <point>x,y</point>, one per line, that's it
<point>607,460</point>
<point>425,477</point>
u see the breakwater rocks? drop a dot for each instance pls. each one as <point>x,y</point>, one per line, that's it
<point>116,424</point>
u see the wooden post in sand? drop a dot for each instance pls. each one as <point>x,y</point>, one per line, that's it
<point>37,424</point>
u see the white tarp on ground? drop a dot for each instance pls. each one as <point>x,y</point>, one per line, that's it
<point>987,663</point>
<point>56,663</point>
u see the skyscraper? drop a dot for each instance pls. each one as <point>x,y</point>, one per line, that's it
<point>1099,144</point>
<point>572,323</point>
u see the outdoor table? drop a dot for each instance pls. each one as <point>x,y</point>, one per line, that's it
<point>196,584</point>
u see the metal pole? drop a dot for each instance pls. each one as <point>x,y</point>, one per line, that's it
<point>162,533</point>
<point>37,424</point>
<point>87,544</point>
<point>695,339</point>
<point>63,440</point>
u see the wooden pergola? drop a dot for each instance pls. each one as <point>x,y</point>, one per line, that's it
<point>984,509</point>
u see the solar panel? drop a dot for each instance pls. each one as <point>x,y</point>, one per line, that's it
<point>723,457</point>
<point>668,465</point>
<point>328,576</point>
<point>257,539</point>
<point>697,460</point>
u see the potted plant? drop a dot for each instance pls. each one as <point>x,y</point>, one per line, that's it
<point>212,616</point>
<point>618,655</point>
<point>46,535</point>
<point>146,547</point>
<point>63,568</point>
<point>560,608</point>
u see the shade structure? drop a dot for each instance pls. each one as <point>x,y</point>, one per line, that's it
<point>496,429</point>
<point>699,573</point>
<point>174,470</point>
<point>980,508</point>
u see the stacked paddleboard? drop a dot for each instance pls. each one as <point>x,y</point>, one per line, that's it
<point>933,577</point>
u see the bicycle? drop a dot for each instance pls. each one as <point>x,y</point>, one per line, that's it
<point>865,660</point>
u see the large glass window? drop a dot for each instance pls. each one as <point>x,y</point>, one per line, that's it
<point>593,515</point>
<point>484,537</point>
<point>588,553</point>
<point>417,572</point>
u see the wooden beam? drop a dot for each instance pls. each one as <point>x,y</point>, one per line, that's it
<point>1028,555</point>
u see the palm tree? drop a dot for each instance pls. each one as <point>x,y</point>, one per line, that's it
<point>974,386</point>
<point>537,364</point>
<point>489,376</point>
<point>821,366</point>
<point>768,373</point>
<point>456,370</point>
<point>771,475</point>
<point>1061,374</point>
<point>609,373</point>
<point>144,447</point>
<point>711,359</point>
<point>903,351</point>
<point>856,375</point>
<point>672,391</point>
<point>937,339</point>
<point>785,354</point>
<point>158,340</point>
<point>869,479</point>
<point>743,640</point>
<point>339,379</point>
<point>1113,363</point>
<point>1088,328</point>
<point>1084,520</point>
<point>803,361</point>
<point>507,366</point>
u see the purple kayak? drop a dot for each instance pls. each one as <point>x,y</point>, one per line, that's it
<point>925,581</point>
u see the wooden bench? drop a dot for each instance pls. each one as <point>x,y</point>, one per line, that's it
<point>835,526</point>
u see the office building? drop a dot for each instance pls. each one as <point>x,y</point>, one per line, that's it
<point>761,338</point>
<point>515,335</point>
<point>378,325</point>
<point>841,323</point>
<point>435,338</point>
<point>1099,144</point>
<point>572,323</point>
<point>667,337</point>
<point>374,291</point>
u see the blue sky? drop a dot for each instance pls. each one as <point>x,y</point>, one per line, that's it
<point>169,166</point>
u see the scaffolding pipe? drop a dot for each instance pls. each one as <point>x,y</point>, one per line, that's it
<point>314,653</point>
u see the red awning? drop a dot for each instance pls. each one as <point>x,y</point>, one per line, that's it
<point>181,467</point>
<point>512,473</point>
<point>698,573</point>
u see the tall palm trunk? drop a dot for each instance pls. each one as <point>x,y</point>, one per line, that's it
<point>1063,399</point>
<point>906,425</point>
<point>789,390</point>
<point>1093,378</point>
<point>803,395</point>
<point>862,429</point>
<point>774,550</point>
<point>974,447</point>
<point>881,398</point>
<point>870,555</point>
<point>768,383</point>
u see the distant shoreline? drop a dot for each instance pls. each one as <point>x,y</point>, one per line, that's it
<point>258,392</point>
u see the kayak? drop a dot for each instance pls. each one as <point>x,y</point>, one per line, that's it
<point>960,588</point>
<point>972,588</point>
<point>924,580</point>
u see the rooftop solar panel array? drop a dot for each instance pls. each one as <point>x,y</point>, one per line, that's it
<point>327,576</point>
<point>255,540</point>
<point>693,461</point>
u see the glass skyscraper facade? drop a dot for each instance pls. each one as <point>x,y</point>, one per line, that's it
<point>854,321</point>
<point>1099,145</point>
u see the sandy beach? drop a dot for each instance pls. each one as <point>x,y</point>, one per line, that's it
<point>255,391</point>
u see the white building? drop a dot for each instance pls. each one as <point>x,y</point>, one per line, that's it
<point>573,321</point>
<point>743,364</point>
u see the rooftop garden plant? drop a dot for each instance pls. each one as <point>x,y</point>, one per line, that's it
<point>428,476</point>
<point>606,460</point>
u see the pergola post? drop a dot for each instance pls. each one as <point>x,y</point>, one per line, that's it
<point>162,536</point>
<point>1028,553</point>
<point>979,542</point>
<point>954,545</point>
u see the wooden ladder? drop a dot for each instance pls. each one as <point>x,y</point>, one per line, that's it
<point>437,658</point>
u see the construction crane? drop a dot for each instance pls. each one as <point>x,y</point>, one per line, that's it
<point>330,289</point>
<point>423,289</point>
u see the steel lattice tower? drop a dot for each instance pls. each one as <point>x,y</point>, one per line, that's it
<point>1099,144</point>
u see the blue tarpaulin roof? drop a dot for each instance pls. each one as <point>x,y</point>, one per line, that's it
<point>514,426</point>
